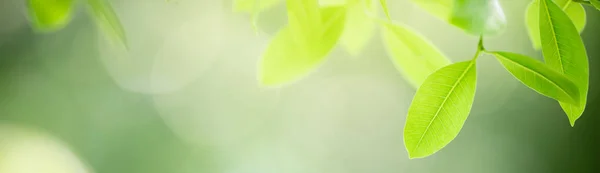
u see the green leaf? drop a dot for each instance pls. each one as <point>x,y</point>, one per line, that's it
<point>253,6</point>
<point>304,19</point>
<point>596,3</point>
<point>476,17</point>
<point>539,77</point>
<point>333,20</point>
<point>440,108</point>
<point>385,9</point>
<point>574,10</point>
<point>359,29</point>
<point>288,58</point>
<point>107,20</point>
<point>50,15</point>
<point>564,51</point>
<point>413,55</point>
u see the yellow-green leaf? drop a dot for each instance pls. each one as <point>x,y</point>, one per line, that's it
<point>50,15</point>
<point>574,10</point>
<point>107,20</point>
<point>475,17</point>
<point>539,77</point>
<point>440,108</point>
<point>333,20</point>
<point>565,52</point>
<point>304,19</point>
<point>413,55</point>
<point>287,58</point>
<point>359,29</point>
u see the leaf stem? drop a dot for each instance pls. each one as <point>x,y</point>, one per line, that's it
<point>480,48</point>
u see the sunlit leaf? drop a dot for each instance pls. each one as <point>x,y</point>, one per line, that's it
<point>333,20</point>
<point>539,77</point>
<point>359,29</point>
<point>413,55</point>
<point>304,19</point>
<point>574,10</point>
<point>107,20</point>
<point>290,57</point>
<point>476,17</point>
<point>252,6</point>
<point>439,109</point>
<point>596,3</point>
<point>50,15</point>
<point>564,51</point>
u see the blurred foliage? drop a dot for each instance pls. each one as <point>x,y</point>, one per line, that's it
<point>184,98</point>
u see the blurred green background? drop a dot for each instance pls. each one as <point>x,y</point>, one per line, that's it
<point>185,99</point>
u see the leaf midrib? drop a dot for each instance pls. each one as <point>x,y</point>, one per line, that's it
<point>552,29</point>
<point>444,102</point>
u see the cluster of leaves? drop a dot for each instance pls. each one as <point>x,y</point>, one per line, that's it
<point>53,15</point>
<point>446,90</point>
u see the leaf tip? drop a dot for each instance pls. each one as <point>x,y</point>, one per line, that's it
<point>416,155</point>
<point>266,80</point>
<point>119,42</point>
<point>266,83</point>
<point>572,121</point>
<point>411,154</point>
<point>414,152</point>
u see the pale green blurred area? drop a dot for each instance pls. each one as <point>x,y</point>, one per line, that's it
<point>185,98</point>
<point>26,150</point>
